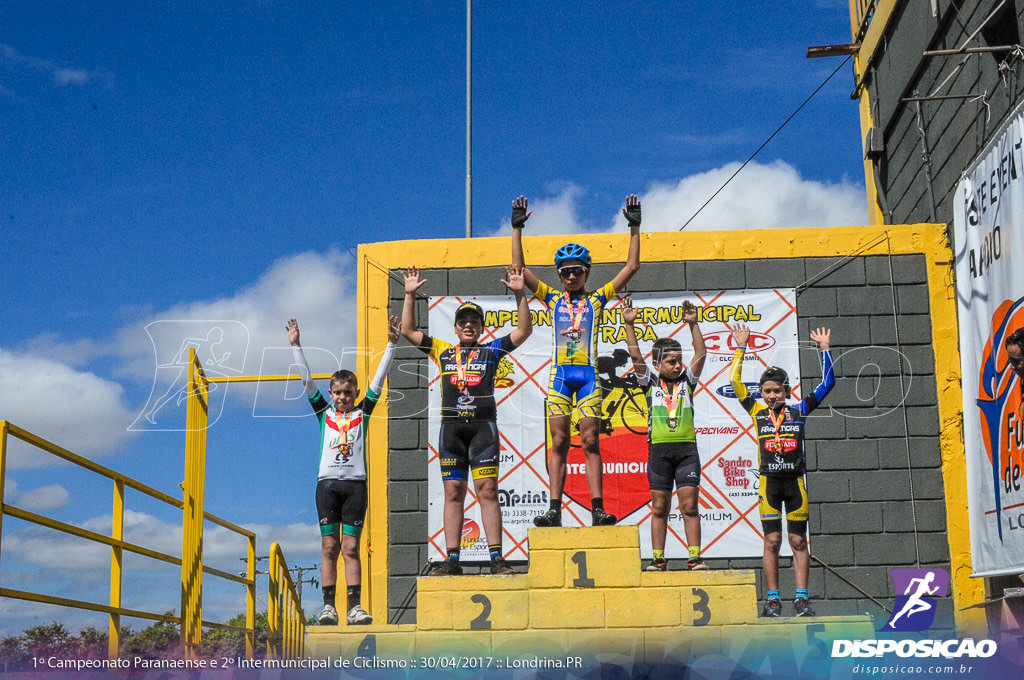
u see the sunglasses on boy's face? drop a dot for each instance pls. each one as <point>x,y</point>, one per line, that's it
<point>468,321</point>
<point>566,272</point>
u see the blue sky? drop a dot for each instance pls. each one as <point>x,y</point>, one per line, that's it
<point>167,164</point>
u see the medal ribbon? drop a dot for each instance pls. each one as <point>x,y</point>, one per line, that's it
<point>777,424</point>
<point>460,368</point>
<point>343,427</point>
<point>672,402</point>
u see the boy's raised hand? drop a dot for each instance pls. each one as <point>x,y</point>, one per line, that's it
<point>629,312</point>
<point>394,329</point>
<point>632,210</point>
<point>519,212</point>
<point>689,312</point>
<point>740,334</point>
<point>823,337</point>
<point>515,278</point>
<point>413,282</point>
<point>293,332</point>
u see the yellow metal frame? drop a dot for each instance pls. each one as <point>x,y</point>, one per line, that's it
<point>118,546</point>
<point>376,260</point>
<point>194,517</point>
<point>285,617</point>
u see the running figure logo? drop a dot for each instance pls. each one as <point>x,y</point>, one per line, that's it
<point>220,347</point>
<point>915,609</point>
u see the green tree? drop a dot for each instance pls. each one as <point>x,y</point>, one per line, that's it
<point>161,640</point>
<point>52,639</point>
<point>91,644</point>
<point>219,642</point>
<point>13,655</point>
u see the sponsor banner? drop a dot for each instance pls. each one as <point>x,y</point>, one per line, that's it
<point>725,434</point>
<point>988,224</point>
<point>786,652</point>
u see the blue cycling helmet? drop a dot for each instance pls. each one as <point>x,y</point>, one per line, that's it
<point>572,251</point>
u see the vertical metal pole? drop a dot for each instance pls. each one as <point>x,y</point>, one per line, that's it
<point>469,118</point>
<point>250,600</point>
<point>116,555</point>
<point>4,427</point>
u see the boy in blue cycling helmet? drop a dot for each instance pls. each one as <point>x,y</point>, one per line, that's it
<point>574,383</point>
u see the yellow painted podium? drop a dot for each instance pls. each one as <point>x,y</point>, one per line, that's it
<point>585,596</point>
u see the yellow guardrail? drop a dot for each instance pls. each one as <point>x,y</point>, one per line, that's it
<point>285,617</point>
<point>194,517</point>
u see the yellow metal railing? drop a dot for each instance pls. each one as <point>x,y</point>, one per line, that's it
<point>191,564</point>
<point>285,617</point>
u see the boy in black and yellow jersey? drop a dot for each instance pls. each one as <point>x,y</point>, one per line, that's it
<point>672,437</point>
<point>782,463</point>
<point>468,439</point>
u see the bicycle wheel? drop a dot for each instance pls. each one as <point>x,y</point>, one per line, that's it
<point>633,410</point>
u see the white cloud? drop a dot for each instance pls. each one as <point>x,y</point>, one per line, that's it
<point>93,420</point>
<point>39,499</point>
<point>62,75</point>
<point>74,409</point>
<point>761,196</point>
<point>556,215</point>
<point>78,352</point>
<point>315,288</point>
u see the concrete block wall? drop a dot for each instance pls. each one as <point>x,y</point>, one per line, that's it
<point>874,481</point>
<point>955,128</point>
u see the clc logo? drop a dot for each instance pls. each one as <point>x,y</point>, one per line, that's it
<point>721,342</point>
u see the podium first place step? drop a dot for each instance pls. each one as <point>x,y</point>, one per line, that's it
<point>586,579</point>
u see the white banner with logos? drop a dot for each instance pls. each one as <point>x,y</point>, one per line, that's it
<point>725,434</point>
<point>988,224</point>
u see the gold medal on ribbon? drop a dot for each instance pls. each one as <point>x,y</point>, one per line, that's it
<point>672,402</point>
<point>344,423</point>
<point>460,368</point>
<point>777,424</point>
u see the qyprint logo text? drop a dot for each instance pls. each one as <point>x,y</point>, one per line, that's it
<point>914,610</point>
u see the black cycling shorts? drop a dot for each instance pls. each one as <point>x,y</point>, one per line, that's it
<point>468,444</point>
<point>677,462</point>
<point>341,502</point>
<point>776,492</point>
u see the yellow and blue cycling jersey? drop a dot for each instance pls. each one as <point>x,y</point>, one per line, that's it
<point>574,322</point>
<point>574,345</point>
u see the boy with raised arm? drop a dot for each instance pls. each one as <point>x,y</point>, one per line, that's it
<point>782,463</point>
<point>671,436</point>
<point>341,482</point>
<point>468,439</point>
<point>574,382</point>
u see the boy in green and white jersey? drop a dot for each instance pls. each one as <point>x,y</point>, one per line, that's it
<point>341,480</point>
<point>672,439</point>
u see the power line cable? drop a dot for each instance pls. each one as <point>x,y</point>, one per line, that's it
<point>765,143</point>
